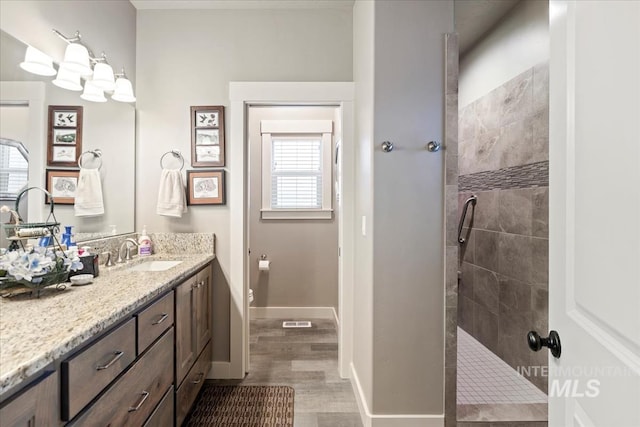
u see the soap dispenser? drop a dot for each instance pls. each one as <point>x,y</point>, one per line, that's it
<point>144,242</point>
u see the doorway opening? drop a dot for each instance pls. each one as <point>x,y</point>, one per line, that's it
<point>292,211</point>
<point>503,164</point>
<point>243,95</point>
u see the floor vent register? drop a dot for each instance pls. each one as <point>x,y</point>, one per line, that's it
<point>296,324</point>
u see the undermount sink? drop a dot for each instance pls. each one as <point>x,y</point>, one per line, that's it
<point>154,265</point>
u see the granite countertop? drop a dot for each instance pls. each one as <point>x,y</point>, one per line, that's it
<point>34,332</point>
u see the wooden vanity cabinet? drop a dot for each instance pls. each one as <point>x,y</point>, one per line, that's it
<point>37,406</point>
<point>145,371</point>
<point>193,339</point>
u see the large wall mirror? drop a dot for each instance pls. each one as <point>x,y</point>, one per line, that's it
<point>108,126</point>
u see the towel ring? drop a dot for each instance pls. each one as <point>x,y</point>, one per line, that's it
<point>175,153</point>
<point>97,154</point>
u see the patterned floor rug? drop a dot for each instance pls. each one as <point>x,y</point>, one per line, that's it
<point>250,406</point>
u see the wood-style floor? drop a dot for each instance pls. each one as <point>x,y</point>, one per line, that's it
<point>307,360</point>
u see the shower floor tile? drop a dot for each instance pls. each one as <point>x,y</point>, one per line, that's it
<point>484,378</point>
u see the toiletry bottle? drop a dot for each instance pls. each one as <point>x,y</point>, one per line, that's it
<point>67,236</point>
<point>145,243</point>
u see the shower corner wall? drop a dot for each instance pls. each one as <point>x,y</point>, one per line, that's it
<point>451,214</point>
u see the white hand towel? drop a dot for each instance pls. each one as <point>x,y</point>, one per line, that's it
<point>172,200</point>
<point>88,200</point>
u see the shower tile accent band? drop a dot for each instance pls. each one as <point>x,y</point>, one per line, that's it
<point>525,176</point>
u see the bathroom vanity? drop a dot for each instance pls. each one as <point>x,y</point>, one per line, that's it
<point>132,348</point>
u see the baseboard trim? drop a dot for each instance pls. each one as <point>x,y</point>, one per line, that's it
<point>220,371</point>
<point>391,420</point>
<point>299,313</point>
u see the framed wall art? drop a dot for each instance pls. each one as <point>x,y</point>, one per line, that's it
<point>62,185</point>
<point>64,140</point>
<point>205,187</point>
<point>207,136</point>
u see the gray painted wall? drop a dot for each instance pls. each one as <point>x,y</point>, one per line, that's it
<point>304,253</point>
<point>404,211</point>
<point>188,57</point>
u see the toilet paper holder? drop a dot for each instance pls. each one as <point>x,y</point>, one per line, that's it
<point>263,263</point>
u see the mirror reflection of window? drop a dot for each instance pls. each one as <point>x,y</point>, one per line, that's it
<point>14,168</point>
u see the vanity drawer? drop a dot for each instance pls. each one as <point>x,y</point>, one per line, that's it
<point>154,320</point>
<point>87,373</point>
<point>163,415</point>
<point>134,396</point>
<point>190,387</point>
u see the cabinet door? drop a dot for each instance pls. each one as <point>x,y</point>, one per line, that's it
<point>185,330</point>
<point>35,407</point>
<point>203,308</point>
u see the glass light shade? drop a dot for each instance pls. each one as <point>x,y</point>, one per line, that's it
<point>92,92</point>
<point>37,62</point>
<point>103,76</point>
<point>76,59</point>
<point>123,91</point>
<point>67,79</point>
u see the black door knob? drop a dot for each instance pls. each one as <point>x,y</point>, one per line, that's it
<point>536,342</point>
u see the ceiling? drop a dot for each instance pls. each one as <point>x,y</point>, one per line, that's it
<point>242,4</point>
<point>473,18</point>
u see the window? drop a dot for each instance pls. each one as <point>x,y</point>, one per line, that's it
<point>14,168</point>
<point>296,169</point>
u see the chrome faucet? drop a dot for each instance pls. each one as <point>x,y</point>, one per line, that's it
<point>109,261</point>
<point>125,245</point>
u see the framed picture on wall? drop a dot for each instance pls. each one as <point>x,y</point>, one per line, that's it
<point>64,135</point>
<point>207,136</point>
<point>205,187</point>
<point>62,185</point>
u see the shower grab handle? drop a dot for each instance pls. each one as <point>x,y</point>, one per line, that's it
<point>471,200</point>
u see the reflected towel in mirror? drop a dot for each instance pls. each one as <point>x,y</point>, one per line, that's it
<point>172,200</point>
<point>88,200</point>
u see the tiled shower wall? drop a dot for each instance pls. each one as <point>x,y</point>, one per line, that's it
<point>503,159</point>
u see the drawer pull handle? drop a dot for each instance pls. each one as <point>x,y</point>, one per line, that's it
<point>144,395</point>
<point>197,285</point>
<point>162,319</point>
<point>117,355</point>
<point>199,380</point>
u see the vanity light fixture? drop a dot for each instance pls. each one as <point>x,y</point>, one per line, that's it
<point>37,62</point>
<point>67,79</point>
<point>103,76</point>
<point>92,92</point>
<point>123,91</point>
<point>79,63</point>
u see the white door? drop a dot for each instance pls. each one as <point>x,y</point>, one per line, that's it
<point>595,213</point>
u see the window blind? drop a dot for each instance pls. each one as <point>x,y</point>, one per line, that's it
<point>14,172</point>
<point>296,172</point>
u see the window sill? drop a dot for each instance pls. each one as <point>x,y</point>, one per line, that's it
<point>296,214</point>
